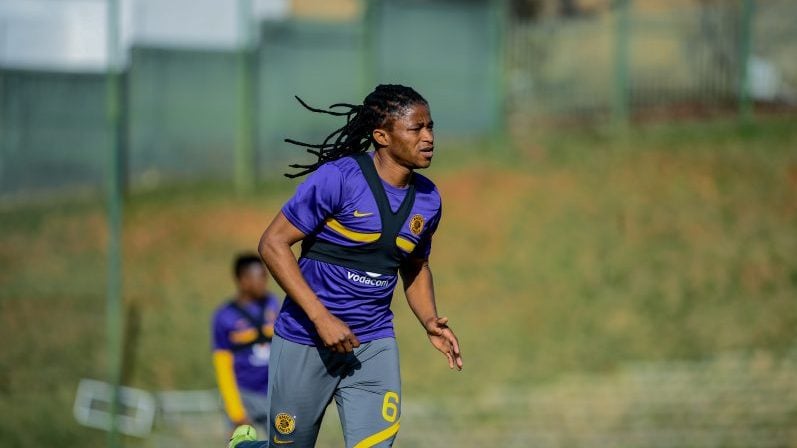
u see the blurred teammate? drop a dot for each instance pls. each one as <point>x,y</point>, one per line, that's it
<point>242,332</point>
<point>363,218</point>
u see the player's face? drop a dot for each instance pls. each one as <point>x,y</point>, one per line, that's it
<point>254,280</point>
<point>411,137</point>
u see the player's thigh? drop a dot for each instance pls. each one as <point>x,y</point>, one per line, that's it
<point>300,388</point>
<point>369,398</point>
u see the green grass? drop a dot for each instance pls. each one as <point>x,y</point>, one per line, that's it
<point>569,253</point>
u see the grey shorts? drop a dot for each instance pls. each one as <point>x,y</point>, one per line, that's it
<point>365,384</point>
<point>256,406</point>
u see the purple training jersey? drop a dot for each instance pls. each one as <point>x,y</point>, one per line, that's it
<point>232,329</point>
<point>335,204</point>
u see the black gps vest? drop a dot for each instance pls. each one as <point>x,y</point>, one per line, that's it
<point>381,256</point>
<point>256,321</point>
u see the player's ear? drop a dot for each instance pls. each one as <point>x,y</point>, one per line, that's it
<point>381,137</point>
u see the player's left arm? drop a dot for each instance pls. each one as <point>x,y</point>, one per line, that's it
<point>419,289</point>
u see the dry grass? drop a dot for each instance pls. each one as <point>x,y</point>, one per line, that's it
<point>571,254</point>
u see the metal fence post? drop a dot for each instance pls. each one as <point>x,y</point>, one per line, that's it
<point>500,29</point>
<point>114,213</point>
<point>621,99</point>
<point>245,163</point>
<point>3,127</point>
<point>745,49</point>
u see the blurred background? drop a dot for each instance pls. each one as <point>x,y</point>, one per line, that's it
<point>618,252</point>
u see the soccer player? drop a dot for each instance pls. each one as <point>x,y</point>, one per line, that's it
<point>363,218</point>
<point>242,330</point>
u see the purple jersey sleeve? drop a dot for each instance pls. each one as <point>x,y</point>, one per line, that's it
<point>424,247</point>
<point>315,199</point>
<point>221,340</point>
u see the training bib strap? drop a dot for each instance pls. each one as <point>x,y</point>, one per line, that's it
<point>256,323</point>
<point>381,256</point>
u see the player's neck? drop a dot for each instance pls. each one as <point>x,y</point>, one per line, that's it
<point>243,298</point>
<point>391,171</point>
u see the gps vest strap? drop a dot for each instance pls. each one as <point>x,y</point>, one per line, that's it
<point>381,256</point>
<point>255,322</point>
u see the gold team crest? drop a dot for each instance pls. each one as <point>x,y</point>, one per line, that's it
<point>416,224</point>
<point>284,423</point>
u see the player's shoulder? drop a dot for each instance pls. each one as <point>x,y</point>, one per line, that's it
<point>223,311</point>
<point>424,186</point>
<point>344,165</point>
<point>334,172</point>
<point>327,172</point>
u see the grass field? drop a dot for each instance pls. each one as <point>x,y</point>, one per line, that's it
<point>569,254</point>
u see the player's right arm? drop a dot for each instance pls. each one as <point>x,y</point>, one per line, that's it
<point>223,366</point>
<point>228,387</point>
<point>275,249</point>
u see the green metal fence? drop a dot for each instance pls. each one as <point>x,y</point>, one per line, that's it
<point>189,112</point>
<point>450,51</point>
<point>182,112</point>
<point>223,114</point>
<point>52,131</point>
<point>624,62</point>
<point>320,62</point>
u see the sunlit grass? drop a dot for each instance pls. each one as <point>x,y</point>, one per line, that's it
<point>569,253</point>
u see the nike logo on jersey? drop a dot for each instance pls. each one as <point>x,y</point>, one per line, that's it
<point>359,214</point>
<point>281,442</point>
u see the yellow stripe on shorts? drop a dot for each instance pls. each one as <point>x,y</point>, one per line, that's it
<point>381,436</point>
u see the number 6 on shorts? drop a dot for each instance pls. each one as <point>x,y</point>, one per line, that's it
<point>390,407</point>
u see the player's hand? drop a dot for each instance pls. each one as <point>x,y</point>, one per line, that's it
<point>443,339</point>
<point>243,421</point>
<point>335,334</point>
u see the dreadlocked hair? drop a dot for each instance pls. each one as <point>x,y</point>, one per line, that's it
<point>386,102</point>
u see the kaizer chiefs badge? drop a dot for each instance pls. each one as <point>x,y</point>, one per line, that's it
<point>416,224</point>
<point>284,423</point>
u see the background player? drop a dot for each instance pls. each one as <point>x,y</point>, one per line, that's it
<point>362,218</point>
<point>242,331</point>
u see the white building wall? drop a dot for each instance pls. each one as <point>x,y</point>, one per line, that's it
<point>71,34</point>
